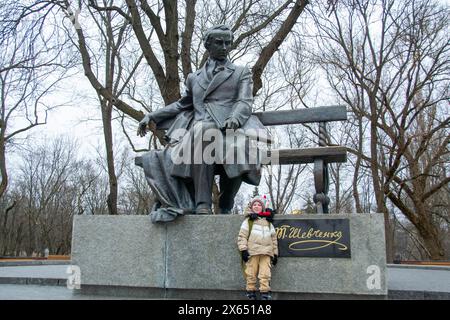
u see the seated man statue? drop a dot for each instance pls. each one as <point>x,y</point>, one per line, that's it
<point>218,97</point>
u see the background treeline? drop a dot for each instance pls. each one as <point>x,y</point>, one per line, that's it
<point>50,185</point>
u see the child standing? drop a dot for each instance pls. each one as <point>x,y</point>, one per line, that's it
<point>257,242</point>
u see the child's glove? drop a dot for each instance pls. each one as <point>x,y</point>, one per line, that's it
<point>275,260</point>
<point>245,255</point>
<point>272,214</point>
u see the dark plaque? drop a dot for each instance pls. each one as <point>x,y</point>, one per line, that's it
<point>318,238</point>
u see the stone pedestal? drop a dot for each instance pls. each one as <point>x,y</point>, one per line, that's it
<point>196,257</point>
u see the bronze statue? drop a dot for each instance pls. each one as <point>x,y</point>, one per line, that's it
<point>218,97</point>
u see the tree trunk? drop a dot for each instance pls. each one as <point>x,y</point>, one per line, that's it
<point>434,246</point>
<point>357,167</point>
<point>4,173</point>
<point>171,55</point>
<point>375,170</point>
<point>107,132</point>
<point>430,235</point>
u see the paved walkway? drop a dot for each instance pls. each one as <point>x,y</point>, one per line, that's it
<point>13,280</point>
<point>38,292</point>
<point>419,278</point>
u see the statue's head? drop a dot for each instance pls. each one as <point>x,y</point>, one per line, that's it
<point>218,41</point>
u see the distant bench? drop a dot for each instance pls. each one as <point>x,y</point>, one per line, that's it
<point>320,156</point>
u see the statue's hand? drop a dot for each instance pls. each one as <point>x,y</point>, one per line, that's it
<point>143,125</point>
<point>231,123</point>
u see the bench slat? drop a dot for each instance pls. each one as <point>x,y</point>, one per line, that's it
<point>273,118</point>
<point>301,156</point>
<point>319,114</point>
<point>332,154</point>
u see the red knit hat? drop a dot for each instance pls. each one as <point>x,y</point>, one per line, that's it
<point>258,199</point>
<point>264,203</point>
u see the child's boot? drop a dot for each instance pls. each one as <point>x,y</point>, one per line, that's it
<point>266,295</point>
<point>251,295</point>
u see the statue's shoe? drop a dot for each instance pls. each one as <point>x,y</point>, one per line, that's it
<point>203,209</point>
<point>224,211</point>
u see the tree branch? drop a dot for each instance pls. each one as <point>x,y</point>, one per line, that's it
<point>269,50</point>
<point>186,37</point>
<point>435,188</point>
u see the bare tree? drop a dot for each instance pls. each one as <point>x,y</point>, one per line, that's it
<point>283,182</point>
<point>389,62</point>
<point>160,41</point>
<point>32,63</point>
<point>136,197</point>
<point>51,185</point>
<point>45,197</point>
